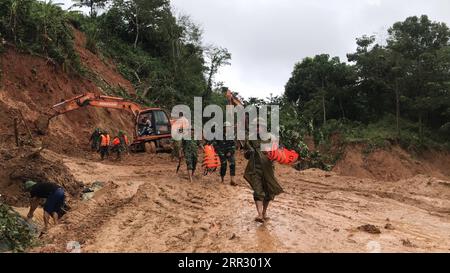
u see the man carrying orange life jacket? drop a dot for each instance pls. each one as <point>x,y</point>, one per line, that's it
<point>120,144</point>
<point>104,144</point>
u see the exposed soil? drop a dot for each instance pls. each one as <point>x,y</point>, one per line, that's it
<point>29,164</point>
<point>30,85</point>
<point>145,207</point>
<point>392,163</point>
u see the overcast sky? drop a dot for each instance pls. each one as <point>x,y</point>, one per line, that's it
<point>267,37</point>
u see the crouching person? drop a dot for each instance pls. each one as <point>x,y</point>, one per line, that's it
<point>54,195</point>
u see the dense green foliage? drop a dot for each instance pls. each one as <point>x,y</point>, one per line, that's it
<point>93,5</point>
<point>402,87</point>
<point>40,28</point>
<point>161,54</point>
<point>15,234</point>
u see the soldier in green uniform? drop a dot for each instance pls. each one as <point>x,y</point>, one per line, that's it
<point>95,140</point>
<point>259,173</point>
<point>124,142</point>
<point>190,151</point>
<point>226,150</point>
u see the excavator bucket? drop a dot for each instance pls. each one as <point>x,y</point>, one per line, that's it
<point>42,124</point>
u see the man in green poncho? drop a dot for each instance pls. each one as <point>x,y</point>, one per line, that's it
<point>190,151</point>
<point>259,173</point>
<point>226,149</point>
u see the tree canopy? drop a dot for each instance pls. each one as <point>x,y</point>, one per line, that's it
<point>409,77</point>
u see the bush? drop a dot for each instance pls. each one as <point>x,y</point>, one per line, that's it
<point>76,19</point>
<point>445,131</point>
<point>2,47</point>
<point>90,28</point>
<point>15,233</point>
<point>39,27</point>
<point>383,133</point>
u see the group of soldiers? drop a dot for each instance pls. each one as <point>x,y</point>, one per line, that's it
<point>225,149</point>
<point>101,142</point>
<point>259,172</point>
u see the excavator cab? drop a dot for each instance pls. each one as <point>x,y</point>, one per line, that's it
<point>158,123</point>
<point>153,131</point>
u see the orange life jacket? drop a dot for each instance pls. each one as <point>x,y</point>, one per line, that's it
<point>116,141</point>
<point>210,160</point>
<point>105,140</point>
<point>283,156</point>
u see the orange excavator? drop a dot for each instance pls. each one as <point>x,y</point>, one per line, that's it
<point>156,140</point>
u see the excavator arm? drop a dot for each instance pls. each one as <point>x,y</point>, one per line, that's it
<point>94,100</point>
<point>87,99</point>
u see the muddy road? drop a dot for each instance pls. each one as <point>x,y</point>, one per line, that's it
<point>145,206</point>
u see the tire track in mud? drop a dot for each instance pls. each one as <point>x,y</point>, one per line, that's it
<point>85,220</point>
<point>416,201</point>
<point>170,218</point>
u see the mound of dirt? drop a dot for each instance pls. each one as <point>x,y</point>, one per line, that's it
<point>32,165</point>
<point>391,164</point>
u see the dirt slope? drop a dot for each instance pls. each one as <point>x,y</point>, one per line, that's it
<point>32,85</point>
<point>103,68</point>
<point>392,163</point>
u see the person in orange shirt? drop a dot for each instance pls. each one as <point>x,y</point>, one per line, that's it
<point>105,141</point>
<point>120,144</point>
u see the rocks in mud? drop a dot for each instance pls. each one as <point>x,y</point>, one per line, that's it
<point>408,243</point>
<point>442,182</point>
<point>16,234</point>
<point>41,125</point>
<point>369,229</point>
<point>89,192</point>
<point>389,226</point>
